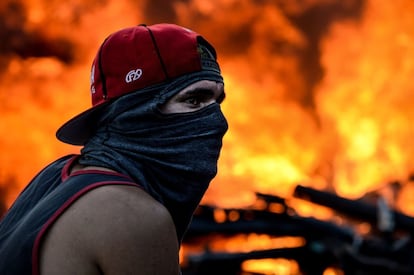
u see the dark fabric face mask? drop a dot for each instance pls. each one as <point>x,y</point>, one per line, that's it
<point>173,157</point>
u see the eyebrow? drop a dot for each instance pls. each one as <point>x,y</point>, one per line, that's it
<point>206,92</point>
<point>199,90</point>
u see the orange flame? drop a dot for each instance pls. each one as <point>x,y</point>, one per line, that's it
<point>320,92</point>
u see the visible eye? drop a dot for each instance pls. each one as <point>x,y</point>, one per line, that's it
<point>196,101</point>
<point>194,98</point>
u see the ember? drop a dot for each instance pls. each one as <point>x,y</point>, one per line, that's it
<point>319,93</point>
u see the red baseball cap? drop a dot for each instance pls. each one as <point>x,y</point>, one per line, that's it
<point>135,58</point>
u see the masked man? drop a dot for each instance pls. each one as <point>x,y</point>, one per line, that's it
<point>150,141</point>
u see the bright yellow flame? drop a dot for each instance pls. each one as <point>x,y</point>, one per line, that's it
<point>272,266</point>
<point>333,271</point>
<point>250,242</point>
<point>308,209</point>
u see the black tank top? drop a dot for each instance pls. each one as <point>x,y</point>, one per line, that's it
<point>39,205</point>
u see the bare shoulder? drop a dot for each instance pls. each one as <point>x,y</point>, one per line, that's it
<point>114,230</point>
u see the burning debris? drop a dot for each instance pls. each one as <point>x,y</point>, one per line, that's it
<point>324,244</point>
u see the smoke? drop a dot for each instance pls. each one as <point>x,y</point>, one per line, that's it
<point>19,41</point>
<point>158,11</point>
<point>289,30</point>
<point>283,31</point>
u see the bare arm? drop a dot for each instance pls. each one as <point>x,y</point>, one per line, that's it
<point>113,230</point>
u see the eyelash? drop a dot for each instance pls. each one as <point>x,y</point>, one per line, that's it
<point>198,99</point>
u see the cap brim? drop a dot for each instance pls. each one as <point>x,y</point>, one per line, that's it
<point>79,129</point>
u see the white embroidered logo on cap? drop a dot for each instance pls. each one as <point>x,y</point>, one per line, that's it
<point>133,75</point>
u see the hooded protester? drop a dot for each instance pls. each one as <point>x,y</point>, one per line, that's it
<point>151,142</point>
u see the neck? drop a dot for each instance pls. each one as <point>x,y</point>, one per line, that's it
<point>80,167</point>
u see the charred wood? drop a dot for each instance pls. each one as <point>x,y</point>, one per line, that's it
<point>264,222</point>
<point>327,244</point>
<point>356,209</point>
<point>312,261</point>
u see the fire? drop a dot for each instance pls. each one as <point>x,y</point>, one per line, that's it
<point>272,266</point>
<point>320,92</point>
<point>374,124</point>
